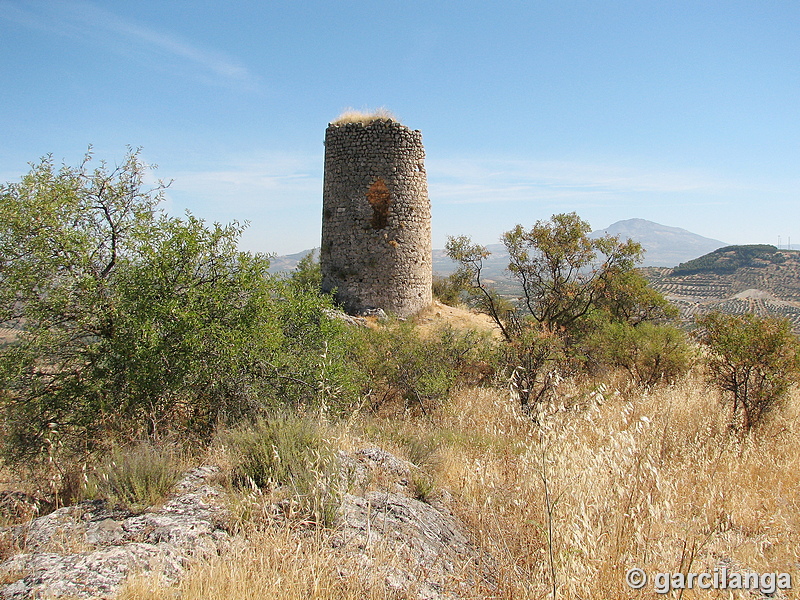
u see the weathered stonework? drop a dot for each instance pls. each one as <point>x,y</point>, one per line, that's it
<point>376,218</point>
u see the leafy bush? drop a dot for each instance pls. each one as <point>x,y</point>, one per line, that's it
<point>754,359</point>
<point>307,275</point>
<point>399,362</point>
<point>130,320</point>
<point>287,450</point>
<point>649,352</point>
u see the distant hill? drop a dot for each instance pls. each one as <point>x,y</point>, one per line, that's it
<point>735,279</point>
<point>289,261</point>
<point>664,246</point>
<point>730,259</point>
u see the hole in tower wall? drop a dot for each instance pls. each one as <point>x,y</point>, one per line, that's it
<point>380,199</point>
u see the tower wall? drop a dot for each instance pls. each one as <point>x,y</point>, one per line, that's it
<point>376,218</point>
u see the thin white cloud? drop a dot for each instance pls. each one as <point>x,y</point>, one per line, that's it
<point>88,21</point>
<point>467,181</point>
<point>252,183</point>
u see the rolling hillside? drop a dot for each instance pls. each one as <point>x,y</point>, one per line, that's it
<point>735,279</point>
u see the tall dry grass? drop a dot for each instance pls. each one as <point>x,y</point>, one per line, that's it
<point>609,480</point>
<point>272,563</point>
<point>649,479</point>
<point>352,115</point>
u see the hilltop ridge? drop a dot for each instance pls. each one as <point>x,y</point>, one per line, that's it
<point>755,278</point>
<point>664,246</point>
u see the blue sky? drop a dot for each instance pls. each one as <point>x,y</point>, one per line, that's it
<point>684,113</point>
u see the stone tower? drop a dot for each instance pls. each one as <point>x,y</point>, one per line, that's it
<point>376,217</point>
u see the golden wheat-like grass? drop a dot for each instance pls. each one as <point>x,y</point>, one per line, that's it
<point>609,480</point>
<point>351,115</point>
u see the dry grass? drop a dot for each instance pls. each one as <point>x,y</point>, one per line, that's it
<point>352,115</point>
<point>275,563</point>
<point>610,480</point>
<point>652,480</point>
<point>462,319</point>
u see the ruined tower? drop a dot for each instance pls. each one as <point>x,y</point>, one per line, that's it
<point>376,217</point>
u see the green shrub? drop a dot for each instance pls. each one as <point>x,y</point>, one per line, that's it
<point>289,451</point>
<point>649,352</point>
<point>131,321</point>
<point>754,359</point>
<point>307,275</point>
<point>421,369</point>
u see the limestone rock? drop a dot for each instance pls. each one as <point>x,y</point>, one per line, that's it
<point>88,550</point>
<point>427,543</point>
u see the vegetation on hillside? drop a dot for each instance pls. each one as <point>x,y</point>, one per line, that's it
<point>730,258</point>
<point>584,438</point>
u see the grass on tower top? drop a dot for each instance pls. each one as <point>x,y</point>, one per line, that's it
<point>351,115</point>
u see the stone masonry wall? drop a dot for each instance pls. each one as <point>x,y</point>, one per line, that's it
<point>376,218</point>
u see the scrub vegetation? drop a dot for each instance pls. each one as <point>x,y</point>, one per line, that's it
<point>577,435</point>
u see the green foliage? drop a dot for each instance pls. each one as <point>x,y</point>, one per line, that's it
<point>561,274</point>
<point>649,352</point>
<point>449,290</point>
<point>626,297</point>
<point>573,290</point>
<point>289,451</point>
<point>730,258</point>
<point>754,359</point>
<point>132,320</point>
<point>557,265</point>
<point>307,275</point>
<point>420,369</point>
<point>138,476</point>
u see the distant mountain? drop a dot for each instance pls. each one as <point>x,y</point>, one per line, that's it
<point>664,246</point>
<point>289,261</point>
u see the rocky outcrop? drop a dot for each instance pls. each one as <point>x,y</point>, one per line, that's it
<point>429,555</point>
<point>90,549</point>
<point>416,548</point>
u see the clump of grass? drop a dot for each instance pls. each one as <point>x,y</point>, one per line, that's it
<point>286,452</point>
<point>423,452</point>
<point>351,115</point>
<point>137,476</point>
